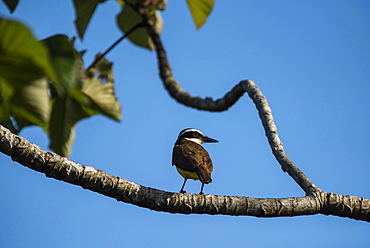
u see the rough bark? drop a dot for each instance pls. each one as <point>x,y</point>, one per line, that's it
<point>316,201</point>
<point>64,169</point>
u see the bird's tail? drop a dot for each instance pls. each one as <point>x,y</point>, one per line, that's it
<point>204,175</point>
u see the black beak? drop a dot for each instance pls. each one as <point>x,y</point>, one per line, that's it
<point>208,140</point>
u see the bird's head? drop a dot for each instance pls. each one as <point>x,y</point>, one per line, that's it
<point>195,136</point>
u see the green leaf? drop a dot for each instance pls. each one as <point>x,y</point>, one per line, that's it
<point>102,98</point>
<point>200,10</point>
<point>28,102</point>
<point>20,49</point>
<point>97,93</point>
<point>83,93</point>
<point>84,11</point>
<point>11,4</point>
<point>66,61</point>
<point>128,18</point>
<point>6,92</point>
<point>24,68</point>
<point>66,112</point>
<point>31,102</point>
<point>17,70</point>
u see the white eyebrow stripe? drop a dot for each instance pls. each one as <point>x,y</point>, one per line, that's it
<point>190,130</point>
<point>196,140</point>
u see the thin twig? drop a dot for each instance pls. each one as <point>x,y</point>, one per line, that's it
<point>97,59</point>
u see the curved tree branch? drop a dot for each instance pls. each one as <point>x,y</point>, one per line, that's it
<point>224,103</point>
<point>64,169</point>
<point>315,201</point>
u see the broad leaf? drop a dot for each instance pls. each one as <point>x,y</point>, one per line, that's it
<point>103,93</point>
<point>66,61</point>
<point>6,92</point>
<point>83,93</point>
<point>17,70</point>
<point>200,10</point>
<point>18,47</point>
<point>102,98</point>
<point>11,4</point>
<point>28,103</point>
<point>24,69</point>
<point>84,11</point>
<point>31,102</point>
<point>128,18</point>
<point>97,93</point>
<point>66,112</point>
<point>5,119</point>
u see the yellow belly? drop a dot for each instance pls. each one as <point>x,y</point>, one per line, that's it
<point>187,174</point>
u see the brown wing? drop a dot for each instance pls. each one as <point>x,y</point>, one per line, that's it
<point>193,157</point>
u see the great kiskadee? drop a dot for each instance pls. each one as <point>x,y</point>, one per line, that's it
<point>192,161</point>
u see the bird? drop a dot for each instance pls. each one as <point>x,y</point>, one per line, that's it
<point>192,161</point>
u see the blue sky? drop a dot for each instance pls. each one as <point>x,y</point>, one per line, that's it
<point>309,58</point>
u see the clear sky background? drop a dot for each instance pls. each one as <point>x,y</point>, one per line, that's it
<point>311,59</point>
